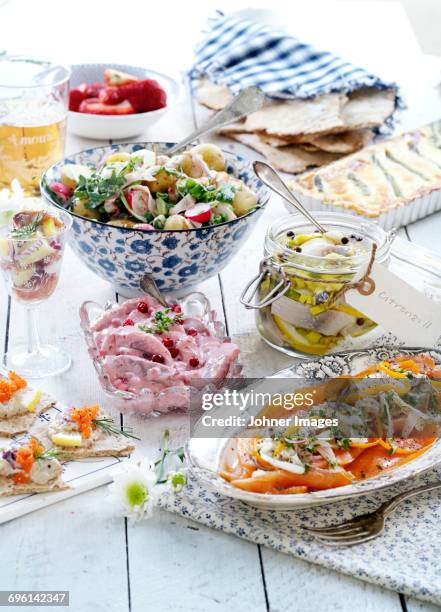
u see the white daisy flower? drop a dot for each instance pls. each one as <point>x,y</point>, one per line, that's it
<point>177,480</point>
<point>132,489</point>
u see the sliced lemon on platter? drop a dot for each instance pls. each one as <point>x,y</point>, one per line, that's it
<point>34,401</point>
<point>67,439</point>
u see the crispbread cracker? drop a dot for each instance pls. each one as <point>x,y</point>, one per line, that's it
<point>291,117</point>
<point>21,424</point>
<point>368,108</point>
<point>288,159</point>
<point>343,142</point>
<point>109,446</point>
<point>7,487</point>
<point>299,120</point>
<point>213,96</point>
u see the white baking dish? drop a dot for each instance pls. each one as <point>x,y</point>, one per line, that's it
<point>396,217</point>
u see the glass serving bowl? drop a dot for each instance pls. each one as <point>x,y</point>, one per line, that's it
<point>178,397</point>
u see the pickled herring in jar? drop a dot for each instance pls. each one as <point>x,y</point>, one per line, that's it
<point>310,315</point>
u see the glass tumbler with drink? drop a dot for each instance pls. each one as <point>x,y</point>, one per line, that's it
<point>33,111</point>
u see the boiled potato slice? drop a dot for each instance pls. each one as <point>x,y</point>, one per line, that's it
<point>117,157</point>
<point>162,181</point>
<point>79,208</point>
<point>177,222</point>
<point>212,156</point>
<point>244,200</point>
<point>70,174</point>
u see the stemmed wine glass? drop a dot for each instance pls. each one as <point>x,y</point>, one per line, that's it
<point>31,251</point>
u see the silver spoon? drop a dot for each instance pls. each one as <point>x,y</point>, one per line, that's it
<point>246,102</point>
<point>149,286</point>
<point>274,181</point>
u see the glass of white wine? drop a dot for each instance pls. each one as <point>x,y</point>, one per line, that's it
<point>33,112</point>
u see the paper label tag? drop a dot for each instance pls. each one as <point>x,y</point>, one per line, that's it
<point>399,308</point>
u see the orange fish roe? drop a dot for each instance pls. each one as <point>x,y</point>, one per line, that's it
<point>10,385</point>
<point>84,418</point>
<point>21,478</point>
<point>26,455</point>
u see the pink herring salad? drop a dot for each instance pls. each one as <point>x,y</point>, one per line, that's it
<point>143,346</point>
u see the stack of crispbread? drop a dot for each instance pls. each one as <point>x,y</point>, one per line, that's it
<point>298,134</point>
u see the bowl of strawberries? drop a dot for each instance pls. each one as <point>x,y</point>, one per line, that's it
<point>118,101</point>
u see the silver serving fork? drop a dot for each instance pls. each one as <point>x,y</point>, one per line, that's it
<point>367,526</point>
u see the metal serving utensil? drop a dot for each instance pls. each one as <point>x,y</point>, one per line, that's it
<point>149,286</point>
<point>367,526</point>
<point>274,181</point>
<point>246,102</point>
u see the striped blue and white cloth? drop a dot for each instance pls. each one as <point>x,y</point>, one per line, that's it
<point>239,53</point>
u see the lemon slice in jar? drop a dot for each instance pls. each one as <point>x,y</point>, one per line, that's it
<point>67,439</point>
<point>297,341</point>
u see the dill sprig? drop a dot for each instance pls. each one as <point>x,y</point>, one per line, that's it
<point>54,453</point>
<point>27,230</point>
<point>108,426</point>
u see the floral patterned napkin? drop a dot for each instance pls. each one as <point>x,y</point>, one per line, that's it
<point>405,558</point>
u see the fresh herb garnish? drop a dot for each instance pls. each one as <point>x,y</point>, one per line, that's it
<point>159,222</point>
<point>344,443</point>
<point>200,192</point>
<point>225,193</point>
<point>54,453</point>
<point>161,322</point>
<point>27,230</point>
<point>108,426</point>
<point>96,190</point>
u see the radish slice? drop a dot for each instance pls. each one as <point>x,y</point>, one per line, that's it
<point>200,213</point>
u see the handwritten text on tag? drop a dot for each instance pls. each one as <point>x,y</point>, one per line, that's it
<point>399,308</point>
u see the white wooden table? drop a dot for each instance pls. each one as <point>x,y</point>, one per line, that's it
<point>169,562</point>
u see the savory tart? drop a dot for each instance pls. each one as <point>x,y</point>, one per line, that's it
<point>29,468</point>
<point>399,408</point>
<point>84,432</point>
<point>380,177</point>
<point>20,405</point>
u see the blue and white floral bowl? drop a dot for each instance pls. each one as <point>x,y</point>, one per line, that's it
<point>177,259</point>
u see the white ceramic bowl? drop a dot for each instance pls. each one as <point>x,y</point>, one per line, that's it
<point>106,127</point>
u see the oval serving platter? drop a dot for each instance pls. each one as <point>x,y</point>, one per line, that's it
<point>203,454</point>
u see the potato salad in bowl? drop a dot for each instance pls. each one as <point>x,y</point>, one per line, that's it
<point>135,209</point>
<point>150,191</point>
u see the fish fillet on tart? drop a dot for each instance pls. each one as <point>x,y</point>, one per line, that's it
<point>28,467</point>
<point>20,405</point>
<point>84,432</point>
